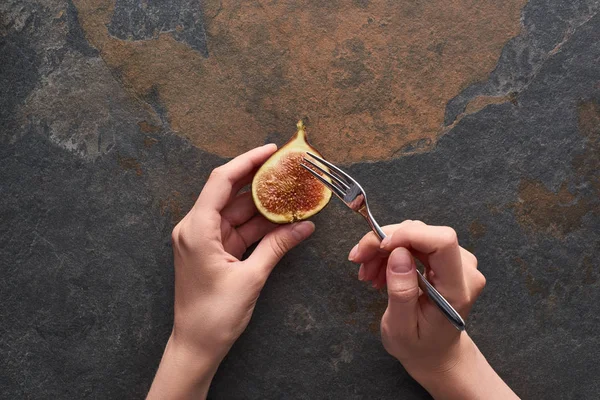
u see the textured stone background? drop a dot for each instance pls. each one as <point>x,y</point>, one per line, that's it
<point>483,115</point>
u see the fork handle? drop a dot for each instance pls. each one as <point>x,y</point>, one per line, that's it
<point>444,306</point>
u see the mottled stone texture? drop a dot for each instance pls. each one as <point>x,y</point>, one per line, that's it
<point>143,20</point>
<point>361,72</point>
<point>102,152</point>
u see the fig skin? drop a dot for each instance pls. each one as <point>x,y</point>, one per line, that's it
<point>282,190</point>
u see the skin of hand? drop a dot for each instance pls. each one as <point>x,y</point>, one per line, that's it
<point>215,291</point>
<point>446,362</point>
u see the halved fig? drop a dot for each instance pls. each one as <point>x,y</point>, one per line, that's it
<point>283,190</point>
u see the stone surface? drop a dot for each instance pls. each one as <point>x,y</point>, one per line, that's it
<point>135,20</point>
<point>361,72</point>
<point>112,115</point>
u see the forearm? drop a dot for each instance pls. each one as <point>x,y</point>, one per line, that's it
<point>471,378</point>
<point>182,374</point>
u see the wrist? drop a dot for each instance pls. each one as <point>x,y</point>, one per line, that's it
<point>467,376</point>
<point>195,357</point>
<point>183,373</point>
<point>452,369</point>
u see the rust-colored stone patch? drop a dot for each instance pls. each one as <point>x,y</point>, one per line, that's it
<point>477,229</point>
<point>543,210</point>
<point>562,212</point>
<point>146,127</point>
<point>130,163</point>
<point>373,78</point>
<point>534,287</point>
<point>172,205</point>
<point>149,142</point>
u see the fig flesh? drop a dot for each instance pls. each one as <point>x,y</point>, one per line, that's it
<point>282,190</point>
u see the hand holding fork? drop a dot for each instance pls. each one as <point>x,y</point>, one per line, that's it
<point>353,195</point>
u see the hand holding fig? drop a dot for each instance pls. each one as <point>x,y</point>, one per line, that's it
<point>215,292</point>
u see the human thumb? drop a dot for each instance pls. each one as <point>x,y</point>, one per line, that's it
<point>403,290</point>
<point>277,243</point>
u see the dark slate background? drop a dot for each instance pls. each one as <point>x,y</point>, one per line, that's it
<point>86,288</point>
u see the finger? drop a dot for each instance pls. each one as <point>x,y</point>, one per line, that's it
<point>276,244</point>
<point>403,293</point>
<point>368,247</point>
<point>240,209</point>
<point>440,245</point>
<point>361,273</point>
<point>379,280</point>
<point>372,268</point>
<point>255,229</point>
<point>476,282</point>
<point>468,258</point>
<point>242,182</point>
<point>225,180</point>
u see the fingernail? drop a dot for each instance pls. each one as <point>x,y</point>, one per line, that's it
<point>302,230</point>
<point>401,262</point>
<point>353,253</point>
<point>361,272</point>
<point>385,242</point>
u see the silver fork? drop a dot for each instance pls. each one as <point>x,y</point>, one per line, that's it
<point>354,196</point>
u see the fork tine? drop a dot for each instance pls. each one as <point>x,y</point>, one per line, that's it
<point>336,190</point>
<point>341,173</point>
<point>328,174</point>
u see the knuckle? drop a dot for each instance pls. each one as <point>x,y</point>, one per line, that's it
<point>469,258</point>
<point>392,338</point>
<point>475,261</point>
<point>481,282</point>
<point>175,234</point>
<point>368,242</point>
<point>389,345</point>
<point>184,236</point>
<point>279,245</point>
<point>385,336</point>
<point>465,302</point>
<point>256,279</point>
<point>403,295</point>
<point>402,224</point>
<point>389,229</point>
<point>386,326</point>
<point>468,300</point>
<point>448,237</point>
<point>370,237</point>
<point>215,173</point>
<point>218,173</point>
